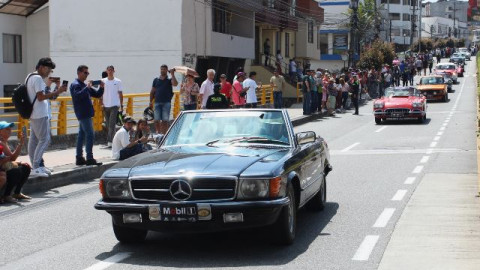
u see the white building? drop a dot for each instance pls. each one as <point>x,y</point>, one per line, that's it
<point>397,17</point>
<point>440,27</point>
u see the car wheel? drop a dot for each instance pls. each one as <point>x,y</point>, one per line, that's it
<point>378,121</point>
<point>128,235</point>
<point>286,225</point>
<point>317,203</point>
<point>445,98</point>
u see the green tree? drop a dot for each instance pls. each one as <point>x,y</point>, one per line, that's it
<point>425,43</point>
<point>368,14</point>
<point>372,56</point>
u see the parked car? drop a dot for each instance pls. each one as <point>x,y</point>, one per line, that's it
<point>219,170</point>
<point>467,53</point>
<point>400,103</point>
<point>433,87</point>
<point>448,70</point>
<point>457,58</point>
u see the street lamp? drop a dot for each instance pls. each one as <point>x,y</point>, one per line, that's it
<point>353,30</point>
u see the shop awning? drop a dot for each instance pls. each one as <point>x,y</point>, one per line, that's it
<point>21,7</point>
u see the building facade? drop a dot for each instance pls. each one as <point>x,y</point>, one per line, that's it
<point>440,27</point>
<point>396,21</point>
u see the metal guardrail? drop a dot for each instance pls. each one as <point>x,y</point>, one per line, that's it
<point>63,115</point>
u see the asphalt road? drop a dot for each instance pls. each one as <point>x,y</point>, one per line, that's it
<point>376,170</point>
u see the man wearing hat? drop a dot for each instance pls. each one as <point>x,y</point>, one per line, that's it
<point>124,145</point>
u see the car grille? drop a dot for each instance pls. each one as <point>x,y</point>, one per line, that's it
<point>390,111</point>
<point>202,189</point>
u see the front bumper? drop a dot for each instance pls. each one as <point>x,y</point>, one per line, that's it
<point>412,114</point>
<point>255,214</point>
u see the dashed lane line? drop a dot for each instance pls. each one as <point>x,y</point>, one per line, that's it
<point>380,129</point>
<point>433,144</point>
<point>418,169</point>
<point>384,217</point>
<point>424,159</point>
<point>366,248</point>
<point>410,180</point>
<point>350,147</point>
<point>110,261</point>
<point>399,195</point>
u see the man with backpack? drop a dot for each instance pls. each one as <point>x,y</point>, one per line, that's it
<point>39,92</point>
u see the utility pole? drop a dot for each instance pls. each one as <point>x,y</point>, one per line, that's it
<point>389,21</point>
<point>413,3</point>
<point>353,31</point>
<point>419,25</point>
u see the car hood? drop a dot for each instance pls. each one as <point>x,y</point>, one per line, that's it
<point>431,87</point>
<point>202,160</point>
<point>398,102</point>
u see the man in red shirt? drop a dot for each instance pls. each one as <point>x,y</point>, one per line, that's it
<point>226,87</point>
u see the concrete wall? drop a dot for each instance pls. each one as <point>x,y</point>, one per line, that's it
<point>38,37</point>
<point>305,49</point>
<point>136,37</point>
<point>12,73</point>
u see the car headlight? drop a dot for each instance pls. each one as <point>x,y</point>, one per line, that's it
<point>115,189</point>
<point>253,189</point>
<point>378,105</point>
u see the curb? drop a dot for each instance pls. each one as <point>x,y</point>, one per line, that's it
<point>71,174</point>
<point>66,175</point>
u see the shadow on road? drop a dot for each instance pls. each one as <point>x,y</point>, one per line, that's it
<point>225,249</point>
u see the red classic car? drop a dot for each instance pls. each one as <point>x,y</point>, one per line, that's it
<point>400,103</point>
<point>448,70</point>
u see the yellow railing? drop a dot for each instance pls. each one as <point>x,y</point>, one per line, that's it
<point>64,119</point>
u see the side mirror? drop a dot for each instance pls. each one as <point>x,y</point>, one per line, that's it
<point>306,137</point>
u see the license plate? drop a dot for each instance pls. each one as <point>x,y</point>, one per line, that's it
<point>397,115</point>
<point>178,213</point>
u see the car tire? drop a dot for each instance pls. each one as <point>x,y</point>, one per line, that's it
<point>445,97</point>
<point>317,203</point>
<point>285,228</point>
<point>378,121</point>
<point>127,235</point>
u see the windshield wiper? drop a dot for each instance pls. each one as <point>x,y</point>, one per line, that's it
<point>210,143</point>
<point>258,139</point>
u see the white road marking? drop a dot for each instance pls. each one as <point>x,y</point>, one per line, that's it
<point>436,138</point>
<point>399,195</point>
<point>418,169</point>
<point>398,151</point>
<point>380,129</point>
<point>444,124</point>
<point>110,261</point>
<point>384,217</point>
<point>429,151</point>
<point>440,133</point>
<point>424,159</point>
<point>350,147</point>
<point>433,144</point>
<point>366,248</point>
<point>409,181</point>
<point>442,128</point>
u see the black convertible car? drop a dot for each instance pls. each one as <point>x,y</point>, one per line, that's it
<point>219,170</point>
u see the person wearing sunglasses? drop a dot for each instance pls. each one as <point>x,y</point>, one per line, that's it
<point>82,94</point>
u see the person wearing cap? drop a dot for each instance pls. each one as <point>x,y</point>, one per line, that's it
<point>278,84</point>
<point>239,92</point>
<point>111,101</point>
<point>17,173</point>
<point>217,100</point>
<point>226,89</point>
<point>124,144</point>
<point>82,105</point>
<point>190,91</point>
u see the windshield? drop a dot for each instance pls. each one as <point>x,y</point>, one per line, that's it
<point>463,49</point>
<point>432,80</point>
<point>445,67</point>
<point>456,55</point>
<point>400,92</point>
<point>209,128</point>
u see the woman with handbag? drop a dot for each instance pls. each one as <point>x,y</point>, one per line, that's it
<point>190,91</point>
<point>17,173</point>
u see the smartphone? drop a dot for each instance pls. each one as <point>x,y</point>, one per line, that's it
<point>24,130</point>
<point>97,82</point>
<point>65,83</point>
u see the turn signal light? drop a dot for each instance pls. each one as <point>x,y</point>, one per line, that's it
<point>101,186</point>
<point>275,185</point>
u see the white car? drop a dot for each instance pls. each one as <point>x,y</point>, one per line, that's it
<point>465,53</point>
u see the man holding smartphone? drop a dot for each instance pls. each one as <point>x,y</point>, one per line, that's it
<point>39,92</point>
<point>111,101</point>
<point>82,104</point>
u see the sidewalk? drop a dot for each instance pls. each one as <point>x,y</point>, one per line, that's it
<point>439,228</point>
<point>66,172</point>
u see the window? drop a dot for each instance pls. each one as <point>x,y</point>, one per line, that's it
<point>221,18</point>
<point>340,45</point>
<point>12,48</point>
<point>406,32</point>
<point>8,92</point>
<point>406,2</point>
<point>415,18</point>
<point>287,44</point>
<point>395,16</point>
<point>406,17</point>
<point>310,32</point>
<point>278,42</point>
<point>323,44</point>
<point>396,32</point>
